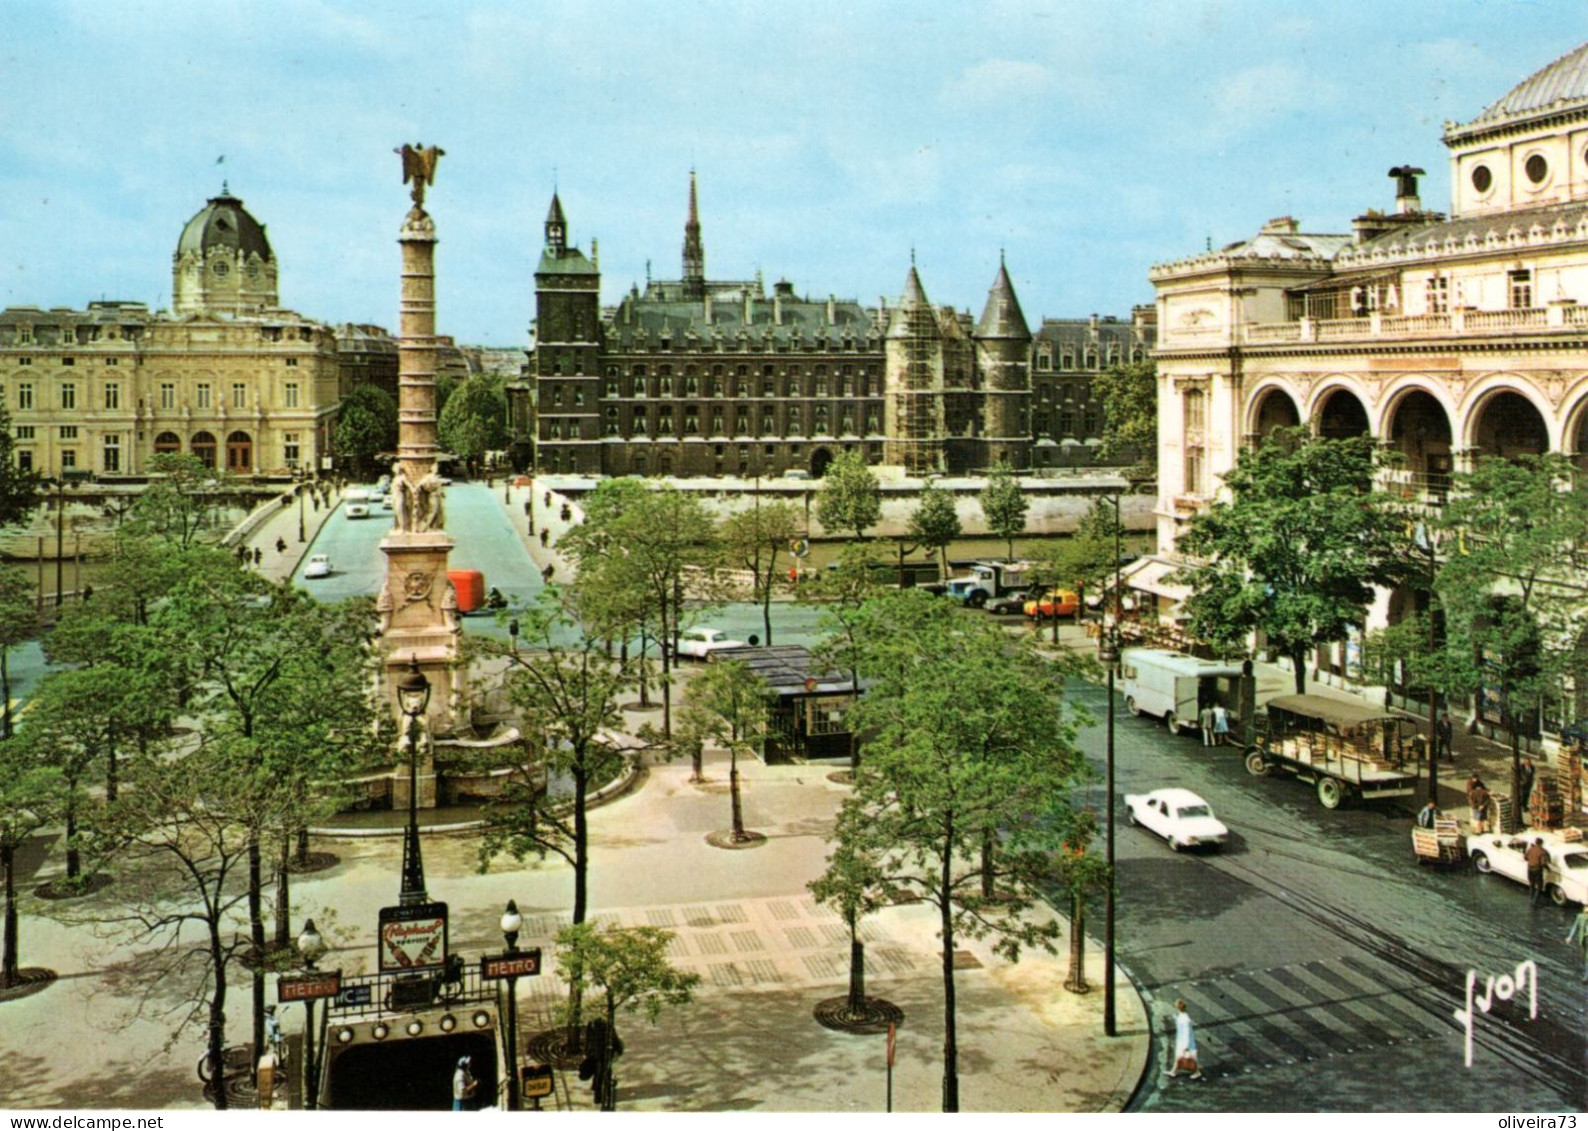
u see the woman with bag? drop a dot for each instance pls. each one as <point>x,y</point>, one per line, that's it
<point>1185,1045</point>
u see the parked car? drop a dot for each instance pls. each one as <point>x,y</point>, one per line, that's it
<point>700,643</point>
<point>319,565</point>
<point>1565,876</point>
<point>1053,603</point>
<point>1178,815</point>
<point>357,510</point>
<point>1010,604</point>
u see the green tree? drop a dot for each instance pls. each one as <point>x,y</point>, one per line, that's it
<point>474,420</point>
<point>366,425</point>
<point>19,487</point>
<point>850,886</point>
<point>965,788</point>
<point>1004,503</point>
<point>29,800</point>
<point>19,623</point>
<point>629,966</point>
<point>70,713</point>
<point>1295,549</point>
<point>1081,872</point>
<point>733,707</point>
<point>1128,393</point>
<point>850,497</point>
<point>184,498</point>
<point>188,825</point>
<point>841,593</point>
<point>935,522</point>
<point>663,537</point>
<point>1512,586</point>
<point>752,540</point>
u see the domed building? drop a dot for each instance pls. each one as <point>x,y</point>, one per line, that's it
<point>227,375</point>
<point>223,263</point>
<point>1444,337</point>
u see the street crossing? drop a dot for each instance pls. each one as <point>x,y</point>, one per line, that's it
<point>1309,1011</point>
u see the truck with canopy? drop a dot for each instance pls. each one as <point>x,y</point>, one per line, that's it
<point>1344,746</point>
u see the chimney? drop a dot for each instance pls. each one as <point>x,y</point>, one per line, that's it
<point>595,253</point>
<point>777,306</point>
<point>708,308</point>
<point>1406,200</point>
<point>749,307</point>
<point>832,311</point>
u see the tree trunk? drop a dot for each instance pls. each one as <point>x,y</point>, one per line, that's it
<point>303,845</point>
<point>857,971</point>
<point>1298,659</point>
<point>697,758</point>
<point>733,791</point>
<point>283,895</point>
<point>950,1036</point>
<point>987,866</point>
<point>8,959</point>
<point>766,600</point>
<point>581,868</point>
<point>112,769</point>
<point>256,934</point>
<point>1076,982</point>
<point>1518,802</point>
<point>645,683</point>
<point>5,686</point>
<point>74,856</point>
<point>217,1025</point>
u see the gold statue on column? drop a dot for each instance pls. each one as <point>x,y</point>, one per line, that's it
<point>419,166</point>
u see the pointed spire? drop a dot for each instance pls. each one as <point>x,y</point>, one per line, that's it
<point>1002,317</point>
<point>914,293</point>
<point>556,226</point>
<point>694,252</point>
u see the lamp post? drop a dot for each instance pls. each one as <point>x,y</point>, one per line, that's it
<point>311,946</point>
<point>413,696</point>
<point>512,632</point>
<point>300,513</point>
<point>1425,535</point>
<point>1109,654</point>
<point>60,522</point>
<point>529,504</point>
<point>511,922</point>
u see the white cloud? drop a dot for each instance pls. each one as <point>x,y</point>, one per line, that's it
<point>997,83</point>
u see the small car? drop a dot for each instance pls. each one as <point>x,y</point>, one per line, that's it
<point>357,510</point>
<point>319,565</point>
<point>1565,876</point>
<point>1179,816</point>
<point>1053,603</point>
<point>1007,605</point>
<point>700,643</point>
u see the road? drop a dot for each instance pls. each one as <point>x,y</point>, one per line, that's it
<point>1321,964</point>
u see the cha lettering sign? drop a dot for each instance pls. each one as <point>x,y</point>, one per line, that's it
<point>413,938</point>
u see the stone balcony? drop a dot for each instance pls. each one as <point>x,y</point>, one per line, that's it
<point>1564,317</point>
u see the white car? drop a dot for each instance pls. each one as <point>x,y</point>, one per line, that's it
<point>700,643</point>
<point>318,566</point>
<point>1565,876</point>
<point>357,510</point>
<point>1178,815</point>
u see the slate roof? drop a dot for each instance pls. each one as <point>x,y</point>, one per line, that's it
<point>571,261</point>
<point>1002,317</point>
<point>1411,238</point>
<point>224,222</point>
<point>645,318</point>
<point>785,668</point>
<point>1562,85</point>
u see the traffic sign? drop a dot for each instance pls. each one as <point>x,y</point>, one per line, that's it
<point>307,987</point>
<point>537,1080</point>
<point>514,964</point>
<point>799,547</point>
<point>356,995</point>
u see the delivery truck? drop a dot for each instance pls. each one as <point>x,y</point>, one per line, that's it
<point>1174,686</point>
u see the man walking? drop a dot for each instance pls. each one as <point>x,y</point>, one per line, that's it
<point>1579,934</point>
<point>1205,720</point>
<point>1536,858</point>
<point>1442,737</point>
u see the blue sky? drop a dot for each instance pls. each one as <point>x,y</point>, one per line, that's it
<point>1088,140</point>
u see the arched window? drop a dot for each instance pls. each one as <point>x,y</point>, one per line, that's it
<point>203,446</point>
<point>167,442</point>
<point>239,453</point>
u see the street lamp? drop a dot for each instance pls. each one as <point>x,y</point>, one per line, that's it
<point>1109,654</point>
<point>300,513</point>
<point>1428,540</point>
<point>413,696</point>
<point>511,922</point>
<point>512,632</point>
<point>60,521</point>
<point>310,946</point>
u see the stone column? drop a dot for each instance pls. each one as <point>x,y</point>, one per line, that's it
<point>417,605</point>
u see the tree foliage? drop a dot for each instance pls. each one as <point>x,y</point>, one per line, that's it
<point>850,497</point>
<point>183,500</point>
<point>19,623</point>
<point>1004,503</point>
<point>753,540</point>
<point>19,487</point>
<point>1128,393</point>
<point>30,792</point>
<point>474,420</point>
<point>935,522</point>
<point>964,789</point>
<point>1294,550</point>
<point>366,425</point>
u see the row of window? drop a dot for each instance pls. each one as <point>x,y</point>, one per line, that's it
<point>66,394</point>
<point>239,449</point>
<point>1089,359</point>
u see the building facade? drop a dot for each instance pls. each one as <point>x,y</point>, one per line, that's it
<point>1444,337</point>
<point>700,376</point>
<point>227,375</point>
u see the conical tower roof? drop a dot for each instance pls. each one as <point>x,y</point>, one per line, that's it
<point>914,316</point>
<point>1002,317</point>
<point>554,213</point>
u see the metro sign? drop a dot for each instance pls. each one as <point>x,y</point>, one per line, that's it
<point>516,964</point>
<point>307,987</point>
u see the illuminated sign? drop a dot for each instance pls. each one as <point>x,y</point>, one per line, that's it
<point>413,938</point>
<point>307,987</point>
<point>518,964</point>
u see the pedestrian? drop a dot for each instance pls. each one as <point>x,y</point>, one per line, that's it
<point>1205,719</point>
<point>281,545</point>
<point>1221,725</point>
<point>464,1085</point>
<point>259,555</point>
<point>1442,737</point>
<point>1473,784</point>
<point>1536,857</point>
<point>548,573</point>
<point>1525,782</point>
<point>1480,809</point>
<point>1427,815</point>
<point>543,533</point>
<point>1185,1045</point>
<point>1579,934</point>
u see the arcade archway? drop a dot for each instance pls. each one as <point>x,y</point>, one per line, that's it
<point>1276,409</point>
<point>1420,431</point>
<point>1507,425</point>
<point>1341,416</point>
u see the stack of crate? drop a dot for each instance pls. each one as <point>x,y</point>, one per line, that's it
<point>1545,809</point>
<point>1568,779</point>
<point>1507,817</point>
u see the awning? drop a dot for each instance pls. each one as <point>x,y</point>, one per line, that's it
<point>1148,575</point>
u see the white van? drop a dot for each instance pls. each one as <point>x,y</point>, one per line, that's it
<point>1172,685</point>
